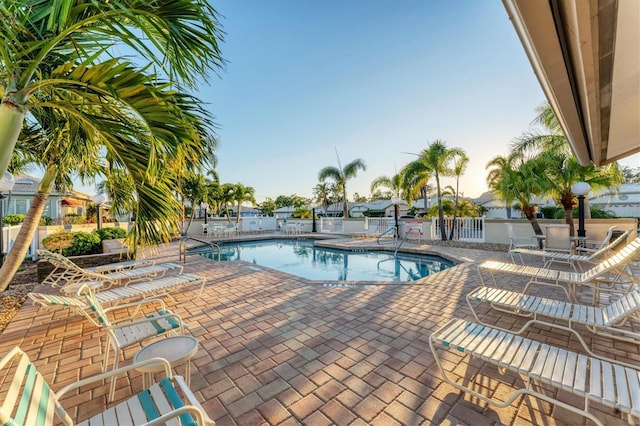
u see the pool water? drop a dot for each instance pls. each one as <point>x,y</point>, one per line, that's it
<point>301,258</point>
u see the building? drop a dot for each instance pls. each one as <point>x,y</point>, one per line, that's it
<point>622,201</point>
<point>58,204</point>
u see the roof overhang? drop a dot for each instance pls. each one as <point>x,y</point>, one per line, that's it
<point>585,54</point>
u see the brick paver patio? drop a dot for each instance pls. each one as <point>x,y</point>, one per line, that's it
<point>280,350</point>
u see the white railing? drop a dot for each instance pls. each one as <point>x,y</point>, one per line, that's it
<point>466,228</point>
<point>9,234</point>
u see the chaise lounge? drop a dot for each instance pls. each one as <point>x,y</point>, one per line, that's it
<point>614,385</point>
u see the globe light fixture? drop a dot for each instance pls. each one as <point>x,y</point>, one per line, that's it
<point>581,189</point>
<point>205,206</point>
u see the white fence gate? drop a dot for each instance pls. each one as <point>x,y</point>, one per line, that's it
<point>465,228</point>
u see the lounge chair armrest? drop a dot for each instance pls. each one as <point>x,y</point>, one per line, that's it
<point>83,382</point>
<point>144,320</point>
<point>137,304</point>
<point>185,409</point>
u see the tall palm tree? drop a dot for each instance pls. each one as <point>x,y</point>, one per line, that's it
<point>432,161</point>
<point>551,146</point>
<point>460,161</point>
<point>340,176</point>
<point>99,114</point>
<point>241,194</point>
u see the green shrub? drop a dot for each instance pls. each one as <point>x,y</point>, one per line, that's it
<point>74,219</point>
<point>13,219</point>
<point>45,221</point>
<point>58,241</point>
<point>111,233</point>
<point>549,212</point>
<point>73,243</point>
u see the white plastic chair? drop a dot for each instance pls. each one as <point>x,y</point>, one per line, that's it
<point>516,242</point>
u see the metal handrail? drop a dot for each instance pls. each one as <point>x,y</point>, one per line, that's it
<point>392,229</point>
<point>406,235</point>
<point>183,248</point>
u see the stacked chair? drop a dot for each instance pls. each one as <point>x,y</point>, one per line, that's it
<point>134,314</point>
<point>590,377</point>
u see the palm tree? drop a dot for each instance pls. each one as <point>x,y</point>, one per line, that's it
<point>324,194</point>
<point>460,161</point>
<point>564,170</point>
<point>241,194</point>
<point>434,160</point>
<point>341,176</point>
<point>516,179</point>
<point>392,183</point>
<point>97,113</point>
<point>193,188</point>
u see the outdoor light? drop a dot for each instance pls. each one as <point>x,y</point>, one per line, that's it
<point>313,217</point>
<point>205,206</point>
<point>98,199</point>
<point>6,185</point>
<point>395,200</point>
<point>581,189</point>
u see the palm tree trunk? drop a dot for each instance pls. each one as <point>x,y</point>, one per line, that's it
<point>443,231</point>
<point>11,120</point>
<point>31,221</point>
<point>16,256</point>
<point>345,208</point>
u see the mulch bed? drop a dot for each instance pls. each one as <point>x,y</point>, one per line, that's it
<point>14,296</point>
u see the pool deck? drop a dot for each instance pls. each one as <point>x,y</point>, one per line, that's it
<point>276,349</point>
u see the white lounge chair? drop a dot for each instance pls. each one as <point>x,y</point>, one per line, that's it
<point>64,267</point>
<point>159,287</point>
<point>69,276</point>
<point>611,384</point>
<point>29,400</point>
<point>611,274</point>
<point>589,246</point>
<point>516,242</point>
<point>607,321</point>
<point>125,331</point>
<point>576,259</point>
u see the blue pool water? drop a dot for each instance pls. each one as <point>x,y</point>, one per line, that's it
<point>301,258</point>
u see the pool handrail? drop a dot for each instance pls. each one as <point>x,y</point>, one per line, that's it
<point>183,248</point>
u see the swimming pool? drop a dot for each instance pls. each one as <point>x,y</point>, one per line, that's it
<point>300,257</point>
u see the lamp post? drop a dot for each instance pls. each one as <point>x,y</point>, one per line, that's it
<point>395,200</point>
<point>581,189</point>
<point>205,206</point>
<point>98,199</point>
<point>6,185</point>
<point>313,217</point>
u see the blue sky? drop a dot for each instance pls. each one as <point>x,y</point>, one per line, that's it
<point>369,79</point>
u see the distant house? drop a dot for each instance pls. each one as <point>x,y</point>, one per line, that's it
<point>377,208</point>
<point>58,204</point>
<point>622,201</point>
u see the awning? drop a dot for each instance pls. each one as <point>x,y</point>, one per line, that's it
<point>70,202</point>
<point>585,55</point>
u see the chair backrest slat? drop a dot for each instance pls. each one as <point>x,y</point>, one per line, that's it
<point>623,256</point>
<point>29,399</point>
